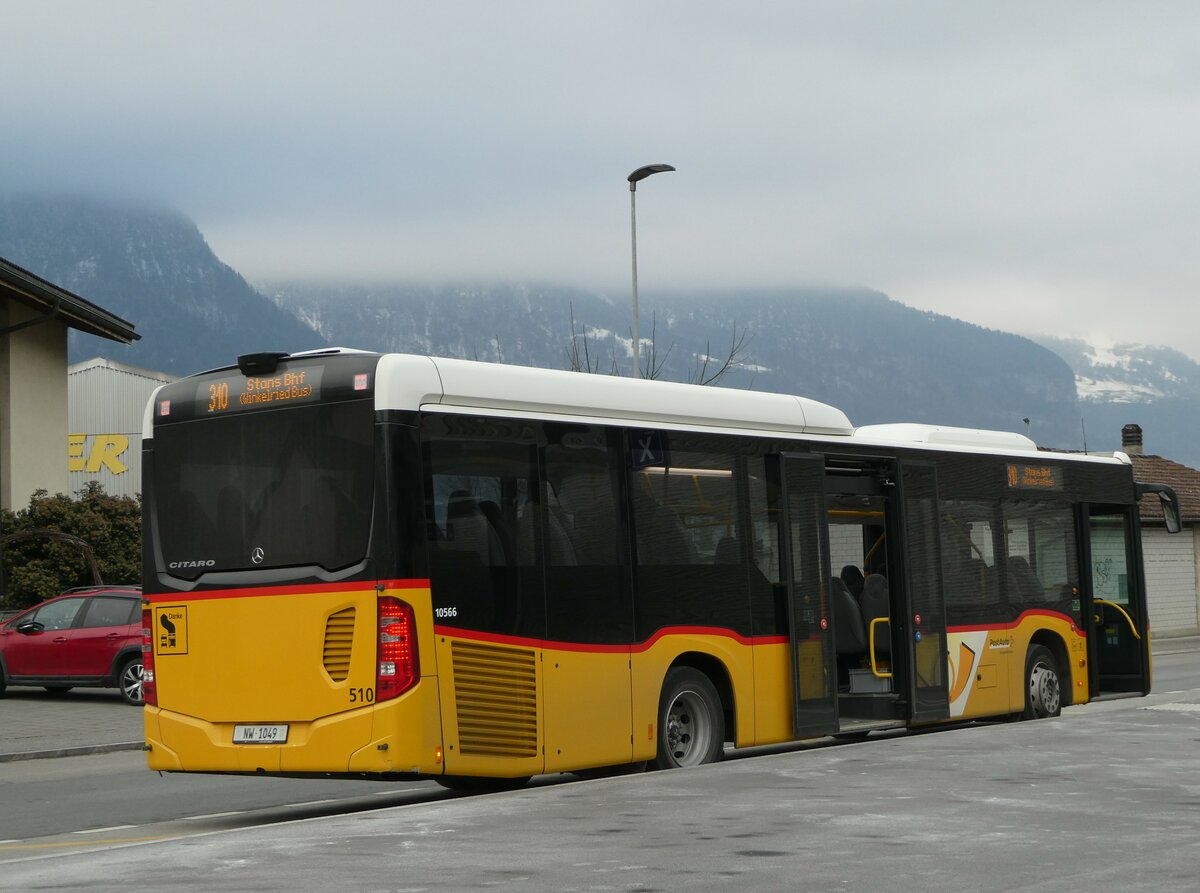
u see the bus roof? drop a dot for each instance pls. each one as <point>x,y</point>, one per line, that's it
<point>408,382</point>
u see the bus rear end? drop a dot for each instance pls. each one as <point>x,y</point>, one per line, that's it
<point>281,634</point>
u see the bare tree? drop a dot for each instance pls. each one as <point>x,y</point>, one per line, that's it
<point>706,368</point>
<point>579,353</point>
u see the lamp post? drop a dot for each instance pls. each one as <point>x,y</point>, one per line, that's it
<point>640,174</point>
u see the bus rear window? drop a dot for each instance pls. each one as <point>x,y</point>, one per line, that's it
<point>288,487</point>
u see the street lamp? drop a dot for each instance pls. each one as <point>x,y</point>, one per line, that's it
<point>640,174</point>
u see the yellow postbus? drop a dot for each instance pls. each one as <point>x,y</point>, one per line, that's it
<point>398,567</point>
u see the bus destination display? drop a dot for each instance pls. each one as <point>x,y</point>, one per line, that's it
<point>1035,477</point>
<point>233,393</point>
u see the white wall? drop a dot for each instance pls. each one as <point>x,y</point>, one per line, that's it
<point>1171,586</point>
<point>33,406</point>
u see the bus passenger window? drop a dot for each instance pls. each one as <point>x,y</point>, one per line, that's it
<point>588,596</point>
<point>969,573</point>
<point>1042,563</point>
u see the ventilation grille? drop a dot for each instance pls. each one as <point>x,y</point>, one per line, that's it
<point>339,640</point>
<point>496,693</point>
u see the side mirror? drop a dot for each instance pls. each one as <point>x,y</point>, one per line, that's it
<point>30,626</point>
<point>1172,516</point>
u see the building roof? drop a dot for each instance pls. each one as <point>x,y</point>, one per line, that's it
<point>58,303</point>
<point>1183,480</point>
<point>113,366</point>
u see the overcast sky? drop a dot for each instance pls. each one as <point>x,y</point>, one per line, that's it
<point>1024,166</point>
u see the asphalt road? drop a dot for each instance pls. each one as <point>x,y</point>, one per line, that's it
<point>1108,797</point>
<point>87,794</point>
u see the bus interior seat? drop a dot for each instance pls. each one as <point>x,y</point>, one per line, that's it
<point>560,547</point>
<point>1023,584</point>
<point>850,638</point>
<point>661,535</point>
<point>469,530</point>
<point>590,508</point>
<point>853,578</point>
<point>491,511</point>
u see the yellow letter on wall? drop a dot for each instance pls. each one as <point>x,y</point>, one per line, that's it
<point>105,452</point>
<point>75,444</point>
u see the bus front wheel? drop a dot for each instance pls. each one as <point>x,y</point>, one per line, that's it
<point>691,721</point>
<point>1043,684</point>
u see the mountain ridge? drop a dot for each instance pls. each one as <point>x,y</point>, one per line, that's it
<point>856,348</point>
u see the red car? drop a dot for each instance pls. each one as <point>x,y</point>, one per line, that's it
<point>86,637</point>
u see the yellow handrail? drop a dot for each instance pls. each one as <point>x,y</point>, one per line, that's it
<point>875,671</point>
<point>873,549</point>
<point>1128,619</point>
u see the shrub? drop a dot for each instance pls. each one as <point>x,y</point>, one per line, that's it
<point>36,569</point>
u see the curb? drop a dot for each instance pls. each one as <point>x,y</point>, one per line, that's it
<point>70,751</point>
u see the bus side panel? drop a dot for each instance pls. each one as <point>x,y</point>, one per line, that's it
<point>491,695</point>
<point>587,708</point>
<point>773,703</point>
<point>650,663</point>
<point>987,666</point>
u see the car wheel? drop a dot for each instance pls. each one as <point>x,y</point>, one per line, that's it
<point>129,680</point>
<point>691,720</point>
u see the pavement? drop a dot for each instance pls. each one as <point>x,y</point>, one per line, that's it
<point>35,724</point>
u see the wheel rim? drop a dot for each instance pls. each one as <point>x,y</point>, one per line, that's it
<point>131,683</point>
<point>689,729</point>
<point>1044,692</point>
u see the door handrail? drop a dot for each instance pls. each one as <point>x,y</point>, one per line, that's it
<point>1128,619</point>
<point>875,671</point>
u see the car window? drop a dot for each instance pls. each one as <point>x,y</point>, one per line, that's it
<point>57,615</point>
<point>110,610</point>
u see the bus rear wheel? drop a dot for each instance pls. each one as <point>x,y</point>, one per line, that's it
<point>1043,684</point>
<point>691,721</point>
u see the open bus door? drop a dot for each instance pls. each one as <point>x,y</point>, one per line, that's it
<point>1113,600</point>
<point>921,564</point>
<point>805,549</point>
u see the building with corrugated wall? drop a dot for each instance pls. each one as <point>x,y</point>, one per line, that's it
<point>106,401</point>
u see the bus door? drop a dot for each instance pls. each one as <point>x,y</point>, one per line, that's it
<point>1113,602</point>
<point>924,625</point>
<point>805,551</point>
<point>868,613</point>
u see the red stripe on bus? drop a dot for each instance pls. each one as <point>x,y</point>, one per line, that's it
<point>600,648</point>
<point>1032,612</point>
<point>301,589</point>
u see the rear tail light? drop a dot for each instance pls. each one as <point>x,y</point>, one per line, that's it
<point>149,689</point>
<point>398,663</point>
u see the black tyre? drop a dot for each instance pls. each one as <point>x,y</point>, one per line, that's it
<point>129,681</point>
<point>1043,684</point>
<point>466,784</point>
<point>691,720</point>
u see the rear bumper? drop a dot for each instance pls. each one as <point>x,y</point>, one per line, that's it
<point>397,737</point>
